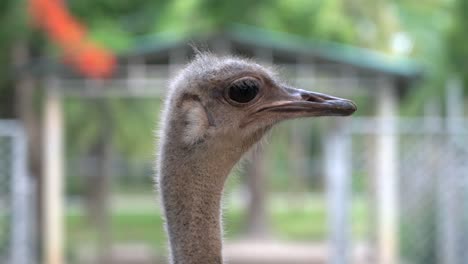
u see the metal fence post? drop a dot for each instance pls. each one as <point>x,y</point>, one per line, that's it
<point>338,172</point>
<point>387,173</point>
<point>20,234</point>
<point>53,176</point>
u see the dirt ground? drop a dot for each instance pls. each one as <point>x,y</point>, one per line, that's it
<point>244,252</point>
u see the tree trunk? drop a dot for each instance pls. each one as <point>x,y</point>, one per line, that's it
<point>98,185</point>
<point>257,226</point>
<point>27,112</point>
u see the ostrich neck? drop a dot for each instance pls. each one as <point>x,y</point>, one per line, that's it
<point>192,189</point>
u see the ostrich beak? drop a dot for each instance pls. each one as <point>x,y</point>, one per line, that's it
<point>290,103</point>
<point>305,103</point>
<point>293,103</point>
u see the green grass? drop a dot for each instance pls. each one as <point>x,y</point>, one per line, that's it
<point>306,222</point>
<point>144,227</point>
<point>311,222</point>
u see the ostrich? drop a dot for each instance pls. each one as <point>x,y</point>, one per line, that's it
<point>216,109</point>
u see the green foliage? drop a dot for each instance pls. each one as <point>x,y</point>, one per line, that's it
<point>13,29</point>
<point>221,13</point>
<point>131,122</point>
<point>427,25</point>
<point>326,20</point>
<point>360,22</point>
<point>132,16</point>
<point>457,42</point>
<point>110,36</point>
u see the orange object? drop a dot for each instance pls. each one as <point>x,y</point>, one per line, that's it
<point>63,29</point>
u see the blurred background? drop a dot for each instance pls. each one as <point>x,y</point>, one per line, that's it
<point>81,87</point>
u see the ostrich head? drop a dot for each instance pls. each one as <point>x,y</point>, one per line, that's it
<point>216,109</point>
<point>234,102</point>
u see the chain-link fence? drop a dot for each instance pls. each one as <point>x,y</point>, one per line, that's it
<point>432,191</point>
<point>16,232</point>
<point>5,196</point>
<point>434,199</point>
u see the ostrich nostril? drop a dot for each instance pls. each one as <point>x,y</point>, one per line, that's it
<point>311,98</point>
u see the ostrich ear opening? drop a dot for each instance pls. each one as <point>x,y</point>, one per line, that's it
<point>196,122</point>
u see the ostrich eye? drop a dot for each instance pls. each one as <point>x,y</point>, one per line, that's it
<point>244,90</point>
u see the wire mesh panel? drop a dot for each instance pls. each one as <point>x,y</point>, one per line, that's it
<point>432,192</point>
<point>433,176</point>
<point>5,196</point>
<point>419,160</point>
<point>16,233</point>
<point>363,185</point>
